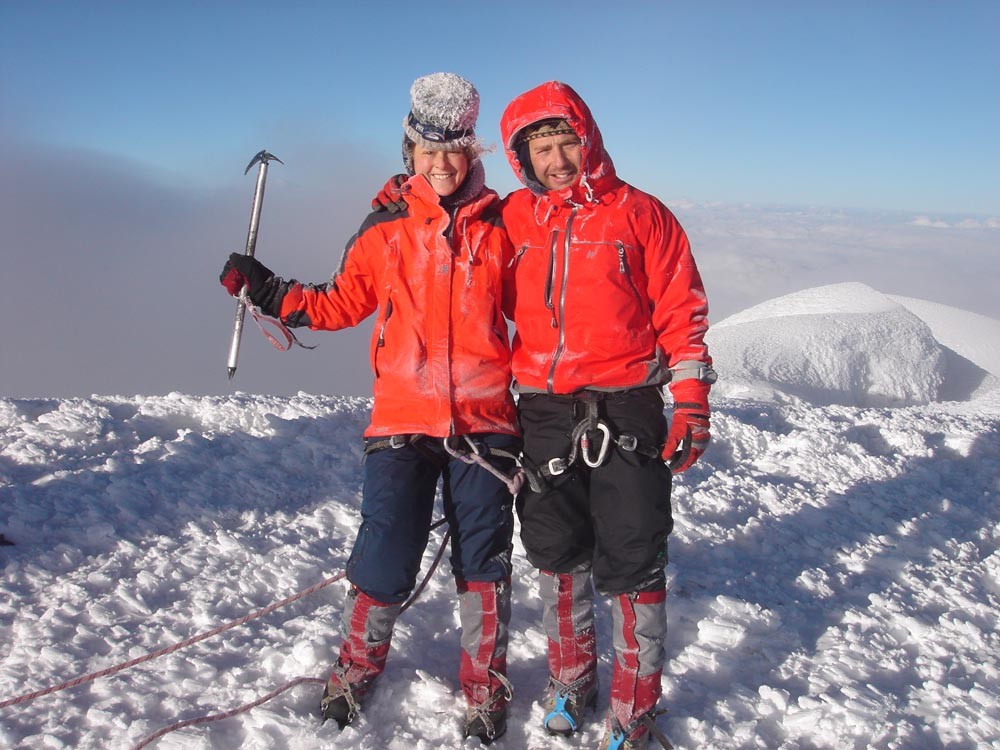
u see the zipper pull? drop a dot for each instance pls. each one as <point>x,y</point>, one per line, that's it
<point>385,322</point>
<point>621,258</point>
<point>517,256</point>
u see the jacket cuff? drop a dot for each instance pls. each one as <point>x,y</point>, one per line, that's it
<point>690,394</point>
<point>270,296</point>
<point>688,369</point>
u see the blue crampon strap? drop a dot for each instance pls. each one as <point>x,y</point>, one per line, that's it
<point>617,741</point>
<point>559,709</point>
<point>619,736</point>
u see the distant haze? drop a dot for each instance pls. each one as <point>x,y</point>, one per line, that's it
<point>112,271</point>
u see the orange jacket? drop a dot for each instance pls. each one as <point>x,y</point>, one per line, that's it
<point>439,348</point>
<point>605,294</point>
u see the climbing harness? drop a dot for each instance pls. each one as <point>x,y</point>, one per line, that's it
<point>590,441</point>
<point>475,455</point>
<point>464,448</point>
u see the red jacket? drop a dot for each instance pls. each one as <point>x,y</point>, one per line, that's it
<point>439,348</point>
<point>606,294</point>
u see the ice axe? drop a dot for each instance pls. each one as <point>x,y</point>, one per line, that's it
<point>262,159</point>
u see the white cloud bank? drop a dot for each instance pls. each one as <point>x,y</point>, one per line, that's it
<point>112,268</point>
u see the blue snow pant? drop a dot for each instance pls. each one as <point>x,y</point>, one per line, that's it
<point>397,506</point>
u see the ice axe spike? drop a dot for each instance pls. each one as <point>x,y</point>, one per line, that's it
<point>261,158</point>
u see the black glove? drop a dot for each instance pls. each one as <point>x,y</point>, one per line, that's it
<point>244,270</point>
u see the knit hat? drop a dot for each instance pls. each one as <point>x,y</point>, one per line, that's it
<point>443,112</point>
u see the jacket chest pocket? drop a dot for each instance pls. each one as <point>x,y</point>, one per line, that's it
<point>531,262</point>
<point>614,261</point>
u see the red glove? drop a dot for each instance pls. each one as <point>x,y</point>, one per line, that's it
<point>245,271</point>
<point>232,279</point>
<point>391,197</point>
<point>689,432</point>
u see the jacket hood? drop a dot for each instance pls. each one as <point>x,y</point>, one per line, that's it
<point>558,100</point>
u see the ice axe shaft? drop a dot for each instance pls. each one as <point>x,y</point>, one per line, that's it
<point>262,159</point>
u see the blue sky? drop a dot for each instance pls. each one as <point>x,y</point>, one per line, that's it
<point>887,105</point>
<point>799,143</point>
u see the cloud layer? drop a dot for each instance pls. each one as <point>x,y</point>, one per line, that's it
<point>111,269</point>
<point>112,274</point>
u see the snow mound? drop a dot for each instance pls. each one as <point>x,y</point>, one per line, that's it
<point>971,336</point>
<point>851,345</point>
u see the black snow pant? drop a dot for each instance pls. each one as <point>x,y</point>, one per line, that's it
<point>614,518</point>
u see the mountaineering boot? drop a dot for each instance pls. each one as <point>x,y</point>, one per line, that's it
<point>484,611</point>
<point>488,721</point>
<point>639,625</point>
<point>616,738</point>
<point>565,704</point>
<point>366,630</point>
<point>339,702</point>
<point>568,619</point>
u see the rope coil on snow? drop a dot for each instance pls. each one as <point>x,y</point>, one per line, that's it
<point>170,649</point>
<point>227,714</point>
<point>299,680</point>
<point>216,631</point>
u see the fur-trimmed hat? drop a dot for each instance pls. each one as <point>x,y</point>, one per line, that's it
<point>444,108</point>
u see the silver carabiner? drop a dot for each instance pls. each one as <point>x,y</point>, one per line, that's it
<point>476,450</point>
<point>453,452</point>
<point>602,453</point>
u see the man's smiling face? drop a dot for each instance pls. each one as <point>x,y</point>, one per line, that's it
<point>556,159</point>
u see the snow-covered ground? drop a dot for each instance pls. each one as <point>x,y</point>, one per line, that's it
<point>834,572</point>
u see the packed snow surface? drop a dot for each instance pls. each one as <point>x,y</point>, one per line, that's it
<point>834,570</point>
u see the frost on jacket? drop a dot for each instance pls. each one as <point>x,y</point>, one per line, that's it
<point>439,349</point>
<point>606,293</point>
